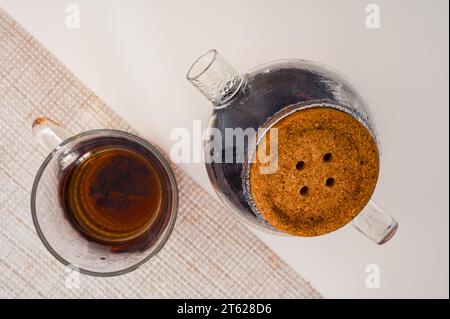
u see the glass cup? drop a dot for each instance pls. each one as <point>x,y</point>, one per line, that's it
<point>53,226</point>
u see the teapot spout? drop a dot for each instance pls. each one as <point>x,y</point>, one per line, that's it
<point>215,78</point>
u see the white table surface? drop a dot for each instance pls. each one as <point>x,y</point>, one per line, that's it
<point>134,55</point>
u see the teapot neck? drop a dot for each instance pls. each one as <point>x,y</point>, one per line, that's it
<point>215,78</point>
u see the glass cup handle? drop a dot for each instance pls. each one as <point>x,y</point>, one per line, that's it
<point>49,133</point>
<point>375,223</point>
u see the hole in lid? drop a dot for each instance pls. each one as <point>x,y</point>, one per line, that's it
<point>327,157</point>
<point>102,258</point>
<point>329,182</point>
<point>300,165</point>
<point>304,190</point>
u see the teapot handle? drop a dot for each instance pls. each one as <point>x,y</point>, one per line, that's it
<point>375,223</point>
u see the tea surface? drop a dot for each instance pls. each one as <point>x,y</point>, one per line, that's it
<point>113,193</point>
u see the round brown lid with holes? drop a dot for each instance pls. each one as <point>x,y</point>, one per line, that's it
<point>328,167</point>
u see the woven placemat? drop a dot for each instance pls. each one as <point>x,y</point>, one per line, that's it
<point>210,254</point>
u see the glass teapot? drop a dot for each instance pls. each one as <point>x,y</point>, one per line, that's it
<point>322,140</point>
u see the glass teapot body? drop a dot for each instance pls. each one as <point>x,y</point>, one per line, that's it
<point>269,93</point>
<point>255,102</point>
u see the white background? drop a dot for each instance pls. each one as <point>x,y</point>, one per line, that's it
<point>134,55</point>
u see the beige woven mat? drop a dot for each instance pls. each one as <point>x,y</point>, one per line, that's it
<point>209,253</point>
